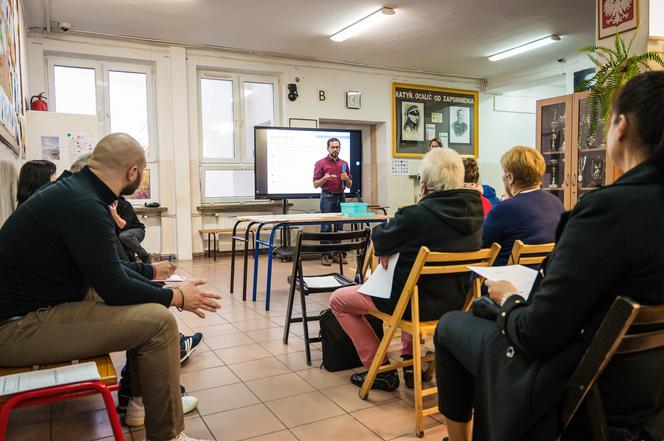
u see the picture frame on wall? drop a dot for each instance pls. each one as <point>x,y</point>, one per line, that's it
<point>421,113</point>
<point>614,16</point>
<point>12,103</point>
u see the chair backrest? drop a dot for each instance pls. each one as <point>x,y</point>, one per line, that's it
<point>617,334</point>
<point>333,242</point>
<point>523,254</point>
<point>430,263</point>
<point>369,261</point>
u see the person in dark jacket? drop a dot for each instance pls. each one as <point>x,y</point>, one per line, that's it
<point>447,218</point>
<point>511,374</point>
<point>530,214</point>
<point>130,230</point>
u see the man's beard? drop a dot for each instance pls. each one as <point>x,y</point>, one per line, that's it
<point>334,155</point>
<point>131,188</point>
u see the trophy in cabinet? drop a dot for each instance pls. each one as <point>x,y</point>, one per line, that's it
<point>554,131</point>
<point>597,172</point>
<point>582,167</point>
<point>554,173</point>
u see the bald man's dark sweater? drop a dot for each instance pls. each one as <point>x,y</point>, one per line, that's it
<point>60,242</point>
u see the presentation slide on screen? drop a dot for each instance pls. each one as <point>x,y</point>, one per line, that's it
<point>292,154</point>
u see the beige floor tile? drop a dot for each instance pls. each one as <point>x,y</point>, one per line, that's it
<point>252,325</point>
<point>391,420</point>
<point>228,341</point>
<point>261,335</point>
<point>347,397</point>
<point>220,399</point>
<point>82,426</point>
<point>239,314</point>
<point>29,415</point>
<point>305,408</point>
<point>243,423</point>
<point>239,354</point>
<point>203,360</point>
<point>32,432</point>
<point>343,427</point>
<point>282,435</point>
<point>322,379</point>
<point>208,378</point>
<point>215,330</point>
<point>297,360</point>
<point>434,433</point>
<point>193,427</point>
<point>277,347</point>
<point>193,321</point>
<point>262,368</point>
<point>279,386</point>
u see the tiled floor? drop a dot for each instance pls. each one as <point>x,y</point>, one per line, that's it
<point>249,384</point>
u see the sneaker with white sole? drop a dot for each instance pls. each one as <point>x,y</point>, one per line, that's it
<point>183,437</point>
<point>135,415</point>
<point>188,345</point>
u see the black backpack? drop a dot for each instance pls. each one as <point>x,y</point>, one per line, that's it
<point>338,351</point>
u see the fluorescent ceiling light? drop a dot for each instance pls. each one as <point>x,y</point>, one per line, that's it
<point>363,24</point>
<point>525,48</point>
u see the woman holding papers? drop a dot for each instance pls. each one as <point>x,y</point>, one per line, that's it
<point>510,375</point>
<point>447,218</point>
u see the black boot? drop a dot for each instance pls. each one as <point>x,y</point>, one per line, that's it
<point>409,381</point>
<point>387,381</point>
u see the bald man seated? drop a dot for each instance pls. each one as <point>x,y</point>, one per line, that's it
<point>47,314</point>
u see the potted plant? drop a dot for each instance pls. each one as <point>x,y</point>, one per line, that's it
<point>614,67</point>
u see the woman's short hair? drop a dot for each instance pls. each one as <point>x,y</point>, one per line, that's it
<point>442,169</point>
<point>471,170</point>
<point>33,175</point>
<point>525,164</point>
<point>81,162</point>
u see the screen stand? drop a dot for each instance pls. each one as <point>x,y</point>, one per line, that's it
<point>285,251</point>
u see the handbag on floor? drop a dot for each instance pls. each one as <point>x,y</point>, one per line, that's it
<point>338,351</point>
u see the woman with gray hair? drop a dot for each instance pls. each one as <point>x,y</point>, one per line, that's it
<point>448,218</point>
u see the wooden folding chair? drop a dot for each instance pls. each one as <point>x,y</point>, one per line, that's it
<point>310,243</point>
<point>523,254</point>
<point>426,263</point>
<point>614,337</point>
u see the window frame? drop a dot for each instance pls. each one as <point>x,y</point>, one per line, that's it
<point>240,160</point>
<point>102,68</point>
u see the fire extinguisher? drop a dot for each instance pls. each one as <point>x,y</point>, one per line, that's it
<point>38,102</point>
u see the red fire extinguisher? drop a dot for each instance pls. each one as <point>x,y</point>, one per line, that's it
<point>38,102</point>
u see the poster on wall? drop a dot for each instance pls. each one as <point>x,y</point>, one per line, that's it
<point>79,143</point>
<point>11,75</point>
<point>615,16</point>
<point>143,192</point>
<point>421,112</point>
<point>50,148</point>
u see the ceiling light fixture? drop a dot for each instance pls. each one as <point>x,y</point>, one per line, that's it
<point>525,47</point>
<point>363,24</point>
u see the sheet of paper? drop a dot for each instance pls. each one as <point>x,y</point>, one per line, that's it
<point>321,282</point>
<point>173,278</point>
<point>521,276</point>
<point>75,373</point>
<point>380,282</point>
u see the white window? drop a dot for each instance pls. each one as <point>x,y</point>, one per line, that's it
<point>229,108</point>
<point>120,94</point>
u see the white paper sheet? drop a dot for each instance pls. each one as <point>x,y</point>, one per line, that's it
<point>173,278</point>
<point>521,276</point>
<point>322,282</point>
<point>380,282</point>
<point>75,373</point>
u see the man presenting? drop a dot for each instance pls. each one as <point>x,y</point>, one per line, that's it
<point>332,176</point>
<point>46,314</point>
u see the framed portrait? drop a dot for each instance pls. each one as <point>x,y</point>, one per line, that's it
<point>422,113</point>
<point>615,16</point>
<point>412,128</point>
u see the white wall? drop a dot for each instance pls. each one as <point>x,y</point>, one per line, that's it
<point>175,74</point>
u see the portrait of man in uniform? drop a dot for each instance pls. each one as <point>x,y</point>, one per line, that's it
<point>459,128</point>
<point>412,115</point>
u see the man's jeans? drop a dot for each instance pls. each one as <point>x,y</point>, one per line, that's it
<point>330,203</point>
<point>131,241</point>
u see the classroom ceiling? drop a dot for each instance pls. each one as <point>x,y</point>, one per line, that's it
<point>442,36</point>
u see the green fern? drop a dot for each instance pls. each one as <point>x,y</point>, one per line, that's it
<point>614,68</point>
